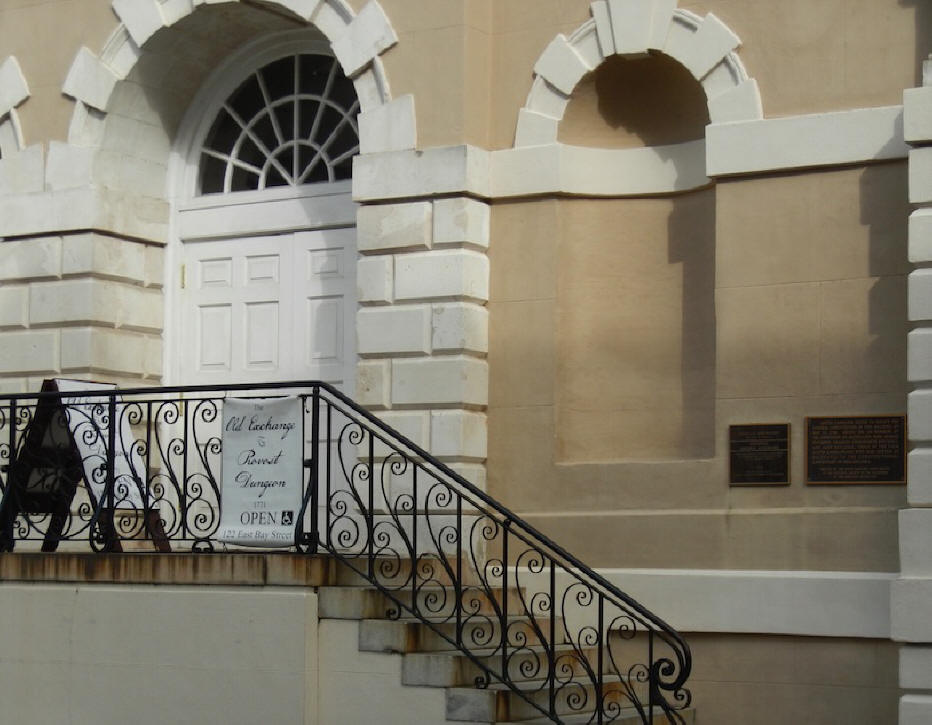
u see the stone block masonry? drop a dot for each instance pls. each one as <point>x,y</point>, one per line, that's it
<point>422,327</point>
<point>85,305</point>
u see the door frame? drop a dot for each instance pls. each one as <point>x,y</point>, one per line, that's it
<point>245,213</point>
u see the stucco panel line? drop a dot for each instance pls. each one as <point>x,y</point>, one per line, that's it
<point>705,46</point>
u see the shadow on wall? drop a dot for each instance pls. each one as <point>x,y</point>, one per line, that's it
<point>636,329</point>
<point>923,27</point>
<point>650,100</point>
<point>885,211</point>
<point>691,243</point>
<point>146,108</point>
<point>636,373</point>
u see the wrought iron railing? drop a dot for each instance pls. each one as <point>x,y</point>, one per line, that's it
<point>525,612</point>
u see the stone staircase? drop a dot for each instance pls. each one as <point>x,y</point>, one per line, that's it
<point>430,658</point>
<point>479,610</point>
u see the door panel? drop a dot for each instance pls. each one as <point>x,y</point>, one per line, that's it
<point>325,263</point>
<point>276,307</point>
<point>214,333</point>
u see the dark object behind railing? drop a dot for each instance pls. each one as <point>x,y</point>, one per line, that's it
<point>525,611</point>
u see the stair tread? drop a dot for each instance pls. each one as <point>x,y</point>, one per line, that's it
<point>537,684</point>
<point>489,651</point>
<point>627,712</point>
<point>470,588</point>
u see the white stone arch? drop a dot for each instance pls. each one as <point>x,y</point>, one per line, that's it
<point>116,139</point>
<point>13,91</point>
<point>705,46</point>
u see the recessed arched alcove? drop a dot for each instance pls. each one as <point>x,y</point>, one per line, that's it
<point>635,343</point>
<point>649,100</point>
<point>146,108</point>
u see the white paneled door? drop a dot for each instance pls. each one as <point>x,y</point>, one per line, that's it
<point>269,308</point>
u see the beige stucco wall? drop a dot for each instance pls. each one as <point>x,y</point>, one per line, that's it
<point>44,37</point>
<point>635,329</point>
<point>443,56</point>
<point>806,56</point>
<point>118,654</point>
<point>793,680</point>
<point>807,317</point>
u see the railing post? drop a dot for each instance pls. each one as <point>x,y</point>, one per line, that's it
<point>552,659</point>
<point>309,542</point>
<point>458,584</point>
<point>314,481</point>
<point>652,681</point>
<point>414,556</point>
<point>109,502</point>
<point>602,641</point>
<point>506,527</point>
<point>370,518</point>
<point>7,542</point>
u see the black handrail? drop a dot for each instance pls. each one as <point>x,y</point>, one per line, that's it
<point>521,608</point>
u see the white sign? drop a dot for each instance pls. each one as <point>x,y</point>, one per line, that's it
<point>88,421</point>
<point>262,467</point>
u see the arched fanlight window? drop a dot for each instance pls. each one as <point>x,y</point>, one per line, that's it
<point>291,122</point>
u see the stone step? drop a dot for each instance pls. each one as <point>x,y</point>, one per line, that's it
<point>498,702</point>
<point>412,635</point>
<point>351,602</point>
<point>455,669</point>
<point>627,716</point>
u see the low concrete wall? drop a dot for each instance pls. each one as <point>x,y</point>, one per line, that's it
<point>137,653</point>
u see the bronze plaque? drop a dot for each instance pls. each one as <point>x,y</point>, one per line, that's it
<point>856,449</point>
<point>759,453</point>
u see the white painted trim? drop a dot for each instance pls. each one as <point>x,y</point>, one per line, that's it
<point>216,216</point>
<point>822,139</point>
<point>325,209</point>
<point>185,218</point>
<point>217,88</point>
<point>804,603</point>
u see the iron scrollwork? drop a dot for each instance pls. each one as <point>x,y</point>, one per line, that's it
<point>523,611</point>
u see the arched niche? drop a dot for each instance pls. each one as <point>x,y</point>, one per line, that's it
<point>635,374</point>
